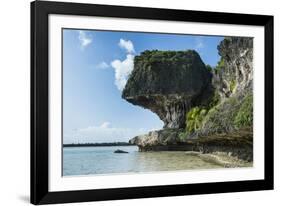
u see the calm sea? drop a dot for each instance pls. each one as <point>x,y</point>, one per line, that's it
<point>103,160</point>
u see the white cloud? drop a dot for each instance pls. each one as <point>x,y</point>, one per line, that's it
<point>127,45</point>
<point>199,43</point>
<point>85,39</point>
<point>103,65</point>
<point>105,125</point>
<point>103,133</point>
<point>122,70</point>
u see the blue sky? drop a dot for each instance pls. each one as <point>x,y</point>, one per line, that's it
<point>96,65</point>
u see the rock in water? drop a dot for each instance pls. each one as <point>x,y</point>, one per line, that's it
<point>120,151</point>
<point>168,83</point>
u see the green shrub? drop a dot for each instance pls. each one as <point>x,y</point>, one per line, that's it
<point>182,136</point>
<point>214,100</point>
<point>196,115</point>
<point>194,118</point>
<point>232,85</point>
<point>209,68</point>
<point>244,116</point>
<point>221,63</point>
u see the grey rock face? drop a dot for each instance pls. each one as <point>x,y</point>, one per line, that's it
<point>160,137</point>
<point>236,74</point>
<point>233,82</point>
<point>167,83</point>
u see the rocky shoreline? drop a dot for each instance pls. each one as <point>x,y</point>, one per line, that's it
<point>223,159</point>
<point>237,144</point>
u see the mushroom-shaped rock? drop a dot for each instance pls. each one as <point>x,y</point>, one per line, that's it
<point>168,83</point>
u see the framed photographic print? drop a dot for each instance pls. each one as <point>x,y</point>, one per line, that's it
<point>131,102</point>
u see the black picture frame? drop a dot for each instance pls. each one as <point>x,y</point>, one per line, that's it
<point>39,102</point>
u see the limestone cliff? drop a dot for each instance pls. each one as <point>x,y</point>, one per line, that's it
<point>234,74</point>
<point>233,82</point>
<point>167,83</point>
<point>194,102</point>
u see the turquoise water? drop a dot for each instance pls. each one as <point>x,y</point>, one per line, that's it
<point>103,160</point>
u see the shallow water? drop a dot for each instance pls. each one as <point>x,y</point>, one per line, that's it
<point>103,160</point>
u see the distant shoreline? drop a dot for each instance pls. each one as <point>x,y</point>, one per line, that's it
<point>103,144</point>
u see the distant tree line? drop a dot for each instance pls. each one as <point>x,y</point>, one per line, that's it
<point>97,144</point>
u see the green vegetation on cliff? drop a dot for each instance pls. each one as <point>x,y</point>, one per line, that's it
<point>194,118</point>
<point>232,85</point>
<point>173,57</point>
<point>167,72</point>
<point>244,115</point>
<point>233,108</point>
<point>209,68</point>
<point>220,65</point>
<point>196,115</point>
<point>227,116</point>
